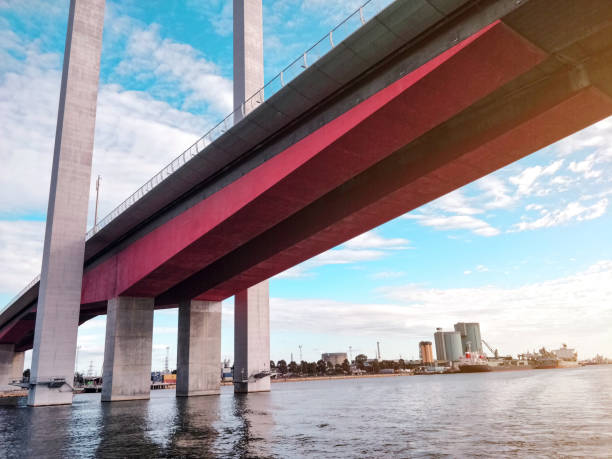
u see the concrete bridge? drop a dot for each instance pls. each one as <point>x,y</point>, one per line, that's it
<point>422,99</point>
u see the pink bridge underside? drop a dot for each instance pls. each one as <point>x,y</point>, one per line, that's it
<point>325,159</point>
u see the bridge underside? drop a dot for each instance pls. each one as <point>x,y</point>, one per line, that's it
<point>540,74</point>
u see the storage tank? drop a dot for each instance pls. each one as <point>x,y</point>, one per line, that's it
<point>448,345</point>
<point>439,340</point>
<point>336,358</point>
<point>470,333</point>
<point>426,352</point>
<point>452,345</point>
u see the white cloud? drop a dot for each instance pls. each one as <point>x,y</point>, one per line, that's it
<point>585,167</point>
<point>372,240</point>
<point>456,222</point>
<point>21,244</point>
<point>149,55</point>
<point>496,192</point>
<point>526,181</point>
<point>574,211</point>
<point>455,202</point>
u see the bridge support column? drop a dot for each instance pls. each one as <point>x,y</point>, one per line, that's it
<point>126,372</point>
<point>199,348</point>
<point>7,352</point>
<point>252,339</point>
<point>18,361</point>
<point>57,315</point>
<point>11,364</point>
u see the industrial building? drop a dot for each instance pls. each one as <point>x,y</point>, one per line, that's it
<point>336,358</point>
<point>448,345</point>
<point>470,336</point>
<point>426,352</point>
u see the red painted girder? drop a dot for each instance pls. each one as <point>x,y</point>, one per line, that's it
<point>573,114</point>
<point>320,162</point>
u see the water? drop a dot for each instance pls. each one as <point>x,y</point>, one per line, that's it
<point>533,413</point>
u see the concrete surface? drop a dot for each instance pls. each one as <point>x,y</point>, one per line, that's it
<point>199,348</point>
<point>252,339</point>
<point>17,367</point>
<point>62,266</point>
<point>6,363</point>
<point>248,52</point>
<point>127,351</point>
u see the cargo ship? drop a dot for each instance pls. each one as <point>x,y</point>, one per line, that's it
<point>472,362</point>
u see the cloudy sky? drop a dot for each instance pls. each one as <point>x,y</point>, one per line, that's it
<point>525,251</point>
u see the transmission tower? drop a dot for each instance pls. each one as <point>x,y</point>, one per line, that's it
<point>166,369</point>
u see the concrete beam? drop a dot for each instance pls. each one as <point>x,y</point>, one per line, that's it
<point>199,348</point>
<point>127,351</point>
<point>252,339</point>
<point>62,267</point>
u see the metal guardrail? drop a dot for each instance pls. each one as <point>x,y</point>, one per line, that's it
<point>348,26</point>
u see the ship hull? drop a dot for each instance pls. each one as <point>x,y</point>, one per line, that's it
<point>474,368</point>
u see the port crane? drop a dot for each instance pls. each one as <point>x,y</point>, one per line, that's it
<point>494,352</point>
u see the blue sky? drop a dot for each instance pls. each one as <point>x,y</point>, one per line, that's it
<point>525,251</point>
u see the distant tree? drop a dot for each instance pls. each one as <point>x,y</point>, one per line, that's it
<point>303,367</point>
<point>312,368</point>
<point>338,369</point>
<point>330,366</point>
<point>293,367</point>
<point>78,378</point>
<point>375,366</point>
<point>402,364</point>
<point>321,367</point>
<point>282,366</point>
<point>272,365</point>
<point>360,360</point>
<point>346,366</point>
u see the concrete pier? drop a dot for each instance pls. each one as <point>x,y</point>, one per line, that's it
<point>127,352</point>
<point>199,348</point>
<point>248,52</point>
<point>252,306</point>
<point>7,356</point>
<point>252,339</point>
<point>62,267</point>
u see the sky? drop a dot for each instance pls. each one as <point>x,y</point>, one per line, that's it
<point>524,251</point>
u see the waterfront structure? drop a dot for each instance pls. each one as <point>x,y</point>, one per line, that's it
<point>426,352</point>
<point>336,358</point>
<point>448,345</point>
<point>470,336</point>
<point>406,109</point>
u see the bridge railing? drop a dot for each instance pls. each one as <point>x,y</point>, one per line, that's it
<point>349,25</point>
<point>352,23</point>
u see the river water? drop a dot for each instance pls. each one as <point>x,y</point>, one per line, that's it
<point>559,413</point>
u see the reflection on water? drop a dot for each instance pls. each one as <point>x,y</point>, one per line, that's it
<point>526,413</point>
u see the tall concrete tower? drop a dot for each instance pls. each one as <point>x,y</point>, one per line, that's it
<point>252,306</point>
<point>57,312</point>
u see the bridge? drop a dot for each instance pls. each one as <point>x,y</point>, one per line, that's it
<point>420,99</point>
